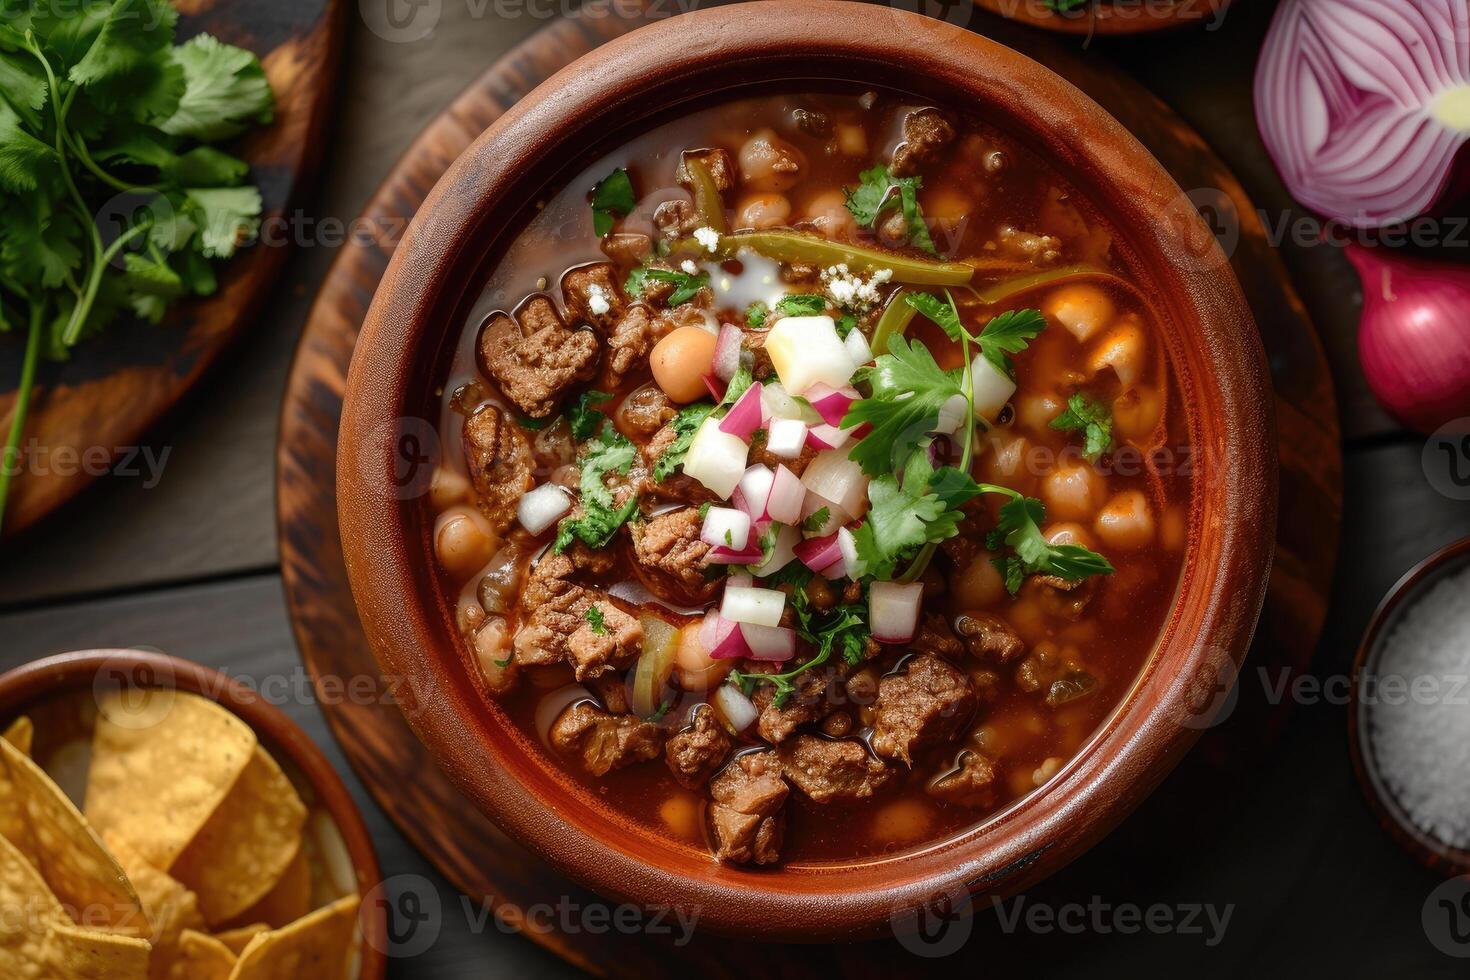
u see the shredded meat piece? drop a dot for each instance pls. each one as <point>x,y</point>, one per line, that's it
<point>534,358</point>
<point>668,557</point>
<point>627,247</point>
<point>696,753</point>
<point>720,163</point>
<point>925,133</point>
<point>558,629</point>
<point>808,704</point>
<point>500,464</point>
<point>645,411</point>
<point>760,454</point>
<point>745,809</point>
<point>630,341</point>
<point>827,769</point>
<point>675,219</point>
<point>919,707</point>
<point>615,645</point>
<point>1046,666</point>
<point>970,783</point>
<point>605,742</point>
<point>935,636</point>
<point>989,637</point>
<point>612,690</point>
<point>580,285</point>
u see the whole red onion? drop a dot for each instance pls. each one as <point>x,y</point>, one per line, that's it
<point>1414,336</point>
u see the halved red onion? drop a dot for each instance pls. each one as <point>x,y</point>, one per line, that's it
<point>818,554</point>
<point>762,607</point>
<point>893,610</point>
<point>775,643</point>
<point>834,477</point>
<point>786,437</point>
<point>722,638</point>
<point>744,416</point>
<point>831,403</point>
<point>827,437</point>
<point>786,497</point>
<point>726,527</point>
<point>542,507</point>
<point>727,351</point>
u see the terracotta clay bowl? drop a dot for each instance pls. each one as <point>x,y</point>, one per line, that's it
<point>1428,850</point>
<point>437,272</point>
<point>56,691</point>
<point>1111,17</point>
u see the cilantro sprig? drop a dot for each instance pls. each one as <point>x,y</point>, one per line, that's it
<point>611,452</point>
<point>612,197</point>
<point>1019,529</point>
<point>1093,419</point>
<point>905,515</point>
<point>686,286</point>
<point>582,418</point>
<point>908,388</point>
<point>595,621</point>
<point>1007,334</point>
<point>879,191</point>
<point>842,629</point>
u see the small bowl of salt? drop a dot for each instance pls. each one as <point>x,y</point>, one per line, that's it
<point>1409,720</point>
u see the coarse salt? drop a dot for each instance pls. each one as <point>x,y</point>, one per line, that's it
<point>707,237</point>
<point>689,267</point>
<point>597,303</point>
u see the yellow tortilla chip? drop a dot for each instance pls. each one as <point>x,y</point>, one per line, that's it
<point>20,734</point>
<point>168,907</point>
<point>201,957</point>
<point>63,847</point>
<point>72,953</point>
<point>319,946</point>
<point>289,900</point>
<point>30,910</point>
<point>248,845</point>
<point>237,939</point>
<point>162,763</point>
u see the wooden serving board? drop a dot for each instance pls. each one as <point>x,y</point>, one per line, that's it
<point>118,385</point>
<point>483,862</point>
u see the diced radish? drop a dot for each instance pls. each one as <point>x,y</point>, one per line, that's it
<point>787,496</point>
<point>992,388</point>
<point>831,403</point>
<point>721,555</point>
<point>716,459</point>
<point>779,404</point>
<point>755,491</point>
<point>739,580</point>
<point>835,516</point>
<point>893,610</point>
<point>847,544</point>
<point>726,527</point>
<point>819,553</point>
<point>727,352</point>
<point>952,414</point>
<point>730,642</point>
<point>827,437</point>
<point>782,552</point>
<point>749,605</point>
<point>786,438</point>
<point>858,348</point>
<point>838,480</point>
<point>744,416</point>
<point>769,642</point>
<point>713,629</point>
<point>542,507</point>
<point>739,711</point>
<point>716,387</point>
<point>805,350</point>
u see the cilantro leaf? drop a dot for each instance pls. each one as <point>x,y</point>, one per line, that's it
<point>1009,333</point>
<point>130,61</point>
<point>879,191</point>
<point>686,286</point>
<point>1093,419</point>
<point>907,515</point>
<point>600,517</point>
<point>23,86</point>
<point>225,91</point>
<point>685,425</point>
<point>582,417</point>
<point>942,312</point>
<point>595,620</point>
<point>802,304</point>
<point>817,520</point>
<point>843,629</point>
<point>908,389</point>
<point>612,197</point>
<point>1019,528</point>
<point>845,324</point>
<point>755,314</point>
<point>228,217</point>
<point>24,160</point>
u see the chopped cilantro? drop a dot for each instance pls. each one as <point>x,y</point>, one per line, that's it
<point>755,315</point>
<point>817,520</point>
<point>595,620</point>
<point>663,709</point>
<point>802,304</point>
<point>878,191</point>
<point>1019,529</point>
<point>582,417</point>
<point>704,509</point>
<point>503,663</point>
<point>685,425</point>
<point>843,629</point>
<point>535,425</point>
<point>922,509</point>
<point>846,324</point>
<point>612,197</point>
<point>908,389</point>
<point>686,286</point>
<point>1093,418</point>
<point>610,452</point>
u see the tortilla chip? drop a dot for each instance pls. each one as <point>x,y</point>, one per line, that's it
<point>162,763</point>
<point>30,911</point>
<point>247,846</point>
<point>319,946</point>
<point>289,900</point>
<point>202,957</point>
<point>63,847</point>
<point>20,734</point>
<point>237,939</point>
<point>168,907</point>
<point>72,953</point>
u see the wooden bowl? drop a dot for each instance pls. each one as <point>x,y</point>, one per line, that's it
<point>417,316</point>
<point>1109,18</point>
<point>1426,849</point>
<point>28,690</point>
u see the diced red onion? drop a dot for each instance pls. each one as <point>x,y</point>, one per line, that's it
<point>744,416</point>
<point>827,437</point>
<point>716,459</point>
<point>831,403</point>
<point>782,553</point>
<point>727,352</point>
<point>762,607</point>
<point>818,554</point>
<point>726,527</point>
<point>721,555</point>
<point>786,497</point>
<point>542,507</point>
<point>835,478</point>
<point>775,643</point>
<point>716,387</point>
<point>729,641</point>
<point>893,610</point>
<point>739,711</point>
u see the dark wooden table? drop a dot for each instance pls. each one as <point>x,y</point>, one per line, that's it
<point>190,566</point>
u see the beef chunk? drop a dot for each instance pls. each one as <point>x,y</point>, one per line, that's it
<point>534,357</point>
<point>669,557</point>
<point>696,753</point>
<point>720,163</point>
<point>754,342</point>
<point>593,296</point>
<point>614,642</point>
<point>745,809</point>
<point>808,704</point>
<point>919,707</point>
<point>760,454</point>
<point>827,769</point>
<point>677,486</point>
<point>629,343</point>
<point>500,464</point>
<point>558,628</point>
<point>645,411</point>
<point>935,636</point>
<point>605,742</point>
<point>612,690</point>
<point>989,637</point>
<point>627,247</point>
<point>971,783</point>
<point>925,133</point>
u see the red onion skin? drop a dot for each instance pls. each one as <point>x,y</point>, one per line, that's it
<point>1414,336</point>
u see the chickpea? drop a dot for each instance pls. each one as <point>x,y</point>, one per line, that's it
<point>448,488</point>
<point>694,668</point>
<point>1174,528</point>
<point>1124,349</point>
<point>1073,491</point>
<point>769,163</point>
<point>1069,533</point>
<point>979,586</point>
<point>763,211</point>
<point>1136,412</point>
<point>681,815</point>
<point>947,206</point>
<point>1036,410</point>
<point>902,821</point>
<point>828,211</point>
<point>681,360</point>
<point>492,649</point>
<point>1126,522</point>
<point>1046,770</point>
<point>463,542</point>
<point>852,140</point>
<point>1082,308</point>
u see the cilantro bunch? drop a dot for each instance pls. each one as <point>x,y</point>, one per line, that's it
<point>113,203</point>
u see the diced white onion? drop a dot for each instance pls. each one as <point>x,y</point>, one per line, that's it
<point>805,350</point>
<point>749,605</point>
<point>836,517</point>
<point>893,610</point>
<point>739,711</point>
<point>786,438</point>
<point>839,481</point>
<point>542,507</point>
<point>952,414</point>
<point>755,490</point>
<point>782,554</point>
<point>775,643</point>
<point>726,526</point>
<point>855,566</point>
<point>992,388</point>
<point>858,348</point>
<point>716,459</point>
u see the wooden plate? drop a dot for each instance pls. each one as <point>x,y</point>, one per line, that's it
<point>119,385</point>
<point>398,770</point>
<point>1110,16</point>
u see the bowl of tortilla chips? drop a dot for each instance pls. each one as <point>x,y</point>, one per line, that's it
<point>160,821</point>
